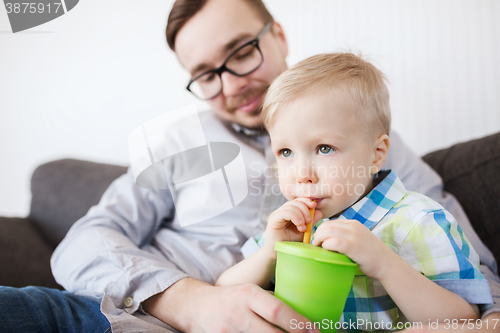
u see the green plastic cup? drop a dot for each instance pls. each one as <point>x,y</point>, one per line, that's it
<point>315,282</point>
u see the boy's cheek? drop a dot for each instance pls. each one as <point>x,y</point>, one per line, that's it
<point>287,189</point>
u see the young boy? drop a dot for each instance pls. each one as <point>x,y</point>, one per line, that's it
<point>329,120</point>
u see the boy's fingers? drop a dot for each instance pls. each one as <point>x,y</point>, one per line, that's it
<point>318,215</point>
<point>292,214</point>
<point>328,231</point>
<point>330,242</point>
<point>308,202</point>
<point>337,244</point>
<point>302,207</point>
<point>346,225</point>
<point>318,238</point>
<point>346,222</point>
<point>299,218</point>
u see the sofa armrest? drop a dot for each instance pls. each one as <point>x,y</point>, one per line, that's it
<point>64,190</point>
<point>471,172</point>
<point>24,255</point>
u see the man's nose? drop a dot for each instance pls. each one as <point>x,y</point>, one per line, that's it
<point>232,84</point>
<point>306,172</point>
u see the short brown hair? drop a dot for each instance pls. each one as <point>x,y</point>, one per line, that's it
<point>183,10</point>
<point>363,83</point>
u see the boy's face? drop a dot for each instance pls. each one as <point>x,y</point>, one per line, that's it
<point>322,152</point>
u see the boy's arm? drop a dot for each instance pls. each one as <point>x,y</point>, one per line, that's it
<point>287,223</point>
<point>419,298</point>
<point>257,269</point>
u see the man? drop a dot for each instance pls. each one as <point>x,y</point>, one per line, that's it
<point>130,254</point>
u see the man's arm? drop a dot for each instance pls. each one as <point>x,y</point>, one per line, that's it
<point>106,250</point>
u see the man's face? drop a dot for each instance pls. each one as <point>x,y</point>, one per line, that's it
<point>206,40</point>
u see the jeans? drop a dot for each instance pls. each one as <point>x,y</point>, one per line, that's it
<point>40,309</point>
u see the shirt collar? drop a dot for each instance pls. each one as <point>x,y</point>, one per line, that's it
<point>375,205</point>
<point>247,131</point>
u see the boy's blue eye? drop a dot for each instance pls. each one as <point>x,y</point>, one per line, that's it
<point>325,150</point>
<point>286,153</point>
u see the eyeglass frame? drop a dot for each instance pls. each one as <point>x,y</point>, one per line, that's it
<point>223,68</point>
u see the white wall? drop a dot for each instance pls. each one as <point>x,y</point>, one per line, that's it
<point>76,86</point>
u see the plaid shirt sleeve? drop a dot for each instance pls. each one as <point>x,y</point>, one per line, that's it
<point>436,246</point>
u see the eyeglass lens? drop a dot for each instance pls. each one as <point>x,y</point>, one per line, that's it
<point>243,62</point>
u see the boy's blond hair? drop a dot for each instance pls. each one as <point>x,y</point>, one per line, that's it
<point>363,84</point>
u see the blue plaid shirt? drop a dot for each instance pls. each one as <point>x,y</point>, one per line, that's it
<point>426,236</point>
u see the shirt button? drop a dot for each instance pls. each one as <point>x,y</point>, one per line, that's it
<point>128,302</point>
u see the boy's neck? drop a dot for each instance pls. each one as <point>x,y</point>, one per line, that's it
<point>377,178</point>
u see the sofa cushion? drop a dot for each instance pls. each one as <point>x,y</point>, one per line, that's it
<point>24,255</point>
<point>471,172</point>
<point>64,190</point>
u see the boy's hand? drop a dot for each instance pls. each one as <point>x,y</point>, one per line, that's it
<point>288,223</point>
<point>356,241</point>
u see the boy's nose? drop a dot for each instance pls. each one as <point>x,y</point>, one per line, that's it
<point>306,173</point>
<point>233,85</point>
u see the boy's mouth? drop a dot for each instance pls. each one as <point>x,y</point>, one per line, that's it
<point>318,200</point>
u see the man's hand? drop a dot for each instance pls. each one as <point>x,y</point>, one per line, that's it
<point>190,305</point>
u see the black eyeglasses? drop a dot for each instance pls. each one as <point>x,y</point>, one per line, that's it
<point>242,61</point>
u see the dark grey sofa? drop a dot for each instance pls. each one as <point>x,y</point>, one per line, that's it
<point>64,190</point>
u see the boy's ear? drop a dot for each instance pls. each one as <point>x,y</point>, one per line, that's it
<point>380,153</point>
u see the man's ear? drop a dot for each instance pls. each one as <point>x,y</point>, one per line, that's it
<point>277,31</point>
<point>381,150</point>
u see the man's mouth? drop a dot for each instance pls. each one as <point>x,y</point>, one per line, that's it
<point>251,105</point>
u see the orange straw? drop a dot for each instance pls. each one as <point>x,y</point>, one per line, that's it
<point>308,232</point>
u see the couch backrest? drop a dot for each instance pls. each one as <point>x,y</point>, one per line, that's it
<point>64,190</point>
